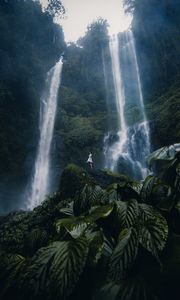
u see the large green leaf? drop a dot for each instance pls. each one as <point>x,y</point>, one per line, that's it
<point>82,201</point>
<point>121,191</point>
<point>11,268</point>
<point>126,213</point>
<point>100,212</point>
<point>156,193</point>
<point>97,195</point>
<point>90,196</point>
<point>67,211</point>
<point>165,153</point>
<point>74,226</point>
<point>136,186</point>
<point>112,193</point>
<point>162,197</point>
<point>128,289</point>
<point>109,245</point>
<point>124,254</point>
<point>96,246</point>
<point>107,292</point>
<point>153,229</point>
<point>147,187</point>
<point>56,269</point>
<point>135,289</point>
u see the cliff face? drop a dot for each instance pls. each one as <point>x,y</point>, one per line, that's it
<point>82,118</point>
<point>156,27</point>
<point>30,44</point>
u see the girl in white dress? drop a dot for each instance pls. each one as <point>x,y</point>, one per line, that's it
<point>90,161</point>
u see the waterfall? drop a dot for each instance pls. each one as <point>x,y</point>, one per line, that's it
<point>120,145</point>
<point>127,149</point>
<point>48,105</point>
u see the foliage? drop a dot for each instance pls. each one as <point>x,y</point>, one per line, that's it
<point>55,8</point>
<point>98,230</point>
<point>61,262</point>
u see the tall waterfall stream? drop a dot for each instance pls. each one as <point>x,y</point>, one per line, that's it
<point>132,144</point>
<point>40,181</point>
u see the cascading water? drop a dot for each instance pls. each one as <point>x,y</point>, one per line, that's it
<point>132,144</point>
<point>120,146</point>
<point>48,105</point>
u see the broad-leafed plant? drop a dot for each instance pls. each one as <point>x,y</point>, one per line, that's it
<point>103,244</point>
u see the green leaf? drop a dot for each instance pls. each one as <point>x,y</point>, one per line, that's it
<point>165,153</point>
<point>90,196</point>
<point>124,254</point>
<point>82,201</point>
<point>126,213</point>
<point>107,292</point>
<point>112,192</point>
<point>129,289</point>
<point>96,246</point>
<point>135,289</point>
<point>109,245</point>
<point>162,197</point>
<point>11,268</point>
<point>97,195</point>
<point>68,211</point>
<point>136,186</point>
<point>153,229</point>
<point>100,212</point>
<point>147,187</point>
<point>56,269</point>
<point>74,226</point>
<point>156,193</point>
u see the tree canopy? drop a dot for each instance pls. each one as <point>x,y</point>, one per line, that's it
<point>55,8</point>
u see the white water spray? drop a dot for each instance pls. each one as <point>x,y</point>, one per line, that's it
<point>132,144</point>
<point>120,145</point>
<point>40,181</point>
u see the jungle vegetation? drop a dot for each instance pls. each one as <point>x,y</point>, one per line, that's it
<point>117,241</point>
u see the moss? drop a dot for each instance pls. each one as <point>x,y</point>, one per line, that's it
<point>73,179</point>
<point>115,175</point>
<point>106,177</point>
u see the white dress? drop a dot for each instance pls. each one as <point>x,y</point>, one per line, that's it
<point>90,159</point>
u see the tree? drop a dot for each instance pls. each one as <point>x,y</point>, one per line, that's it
<point>55,8</point>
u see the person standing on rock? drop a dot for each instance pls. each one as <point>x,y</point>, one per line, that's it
<point>90,161</point>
